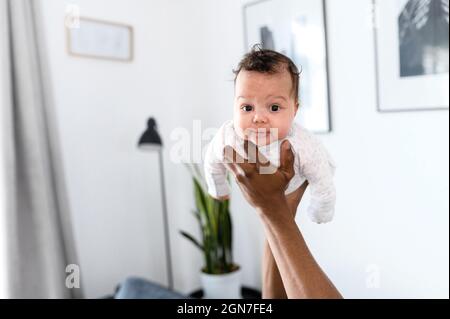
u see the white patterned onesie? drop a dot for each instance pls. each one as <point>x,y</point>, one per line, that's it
<point>312,163</point>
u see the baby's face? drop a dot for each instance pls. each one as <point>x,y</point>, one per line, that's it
<point>263,102</point>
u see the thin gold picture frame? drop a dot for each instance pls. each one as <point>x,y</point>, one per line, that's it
<point>130,29</point>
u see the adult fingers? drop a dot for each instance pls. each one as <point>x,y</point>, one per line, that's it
<point>254,155</point>
<point>232,168</point>
<point>238,164</point>
<point>287,159</point>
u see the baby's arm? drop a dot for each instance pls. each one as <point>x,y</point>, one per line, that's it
<point>215,170</point>
<point>318,168</point>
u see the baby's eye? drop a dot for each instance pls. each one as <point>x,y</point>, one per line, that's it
<point>247,108</point>
<point>275,108</point>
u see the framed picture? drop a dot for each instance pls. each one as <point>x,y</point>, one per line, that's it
<point>298,30</point>
<point>411,52</point>
<point>99,39</point>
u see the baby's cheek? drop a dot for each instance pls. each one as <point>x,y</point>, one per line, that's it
<point>283,132</point>
<point>239,126</point>
<point>283,124</point>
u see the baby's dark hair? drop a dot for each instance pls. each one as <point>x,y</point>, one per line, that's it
<point>270,62</point>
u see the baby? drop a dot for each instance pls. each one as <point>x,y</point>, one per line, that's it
<point>265,105</point>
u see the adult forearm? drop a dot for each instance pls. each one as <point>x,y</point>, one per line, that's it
<point>271,280</point>
<point>301,275</point>
<point>272,285</point>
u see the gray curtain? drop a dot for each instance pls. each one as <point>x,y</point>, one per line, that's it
<point>39,236</point>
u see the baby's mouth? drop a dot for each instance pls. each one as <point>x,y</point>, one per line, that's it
<point>261,135</point>
<point>258,133</point>
<point>261,131</point>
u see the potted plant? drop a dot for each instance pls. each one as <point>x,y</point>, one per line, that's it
<point>220,276</point>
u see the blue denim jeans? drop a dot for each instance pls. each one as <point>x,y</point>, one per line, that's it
<point>137,288</point>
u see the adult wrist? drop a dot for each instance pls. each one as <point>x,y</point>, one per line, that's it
<point>274,208</point>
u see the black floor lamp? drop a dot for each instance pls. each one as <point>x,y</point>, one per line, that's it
<point>150,140</point>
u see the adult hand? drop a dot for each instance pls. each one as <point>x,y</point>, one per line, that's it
<point>299,274</point>
<point>262,184</point>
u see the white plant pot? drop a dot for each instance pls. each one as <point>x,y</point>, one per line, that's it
<point>224,286</point>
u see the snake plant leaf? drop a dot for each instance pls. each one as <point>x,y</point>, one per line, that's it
<point>214,219</point>
<point>192,239</point>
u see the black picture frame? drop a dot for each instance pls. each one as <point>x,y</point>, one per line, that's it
<point>378,77</point>
<point>326,67</point>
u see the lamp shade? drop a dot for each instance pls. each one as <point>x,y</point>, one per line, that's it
<point>150,139</point>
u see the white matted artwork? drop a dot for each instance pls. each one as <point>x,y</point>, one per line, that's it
<point>412,57</point>
<point>298,30</point>
<point>100,39</point>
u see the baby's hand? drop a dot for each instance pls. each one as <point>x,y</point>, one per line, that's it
<point>221,198</point>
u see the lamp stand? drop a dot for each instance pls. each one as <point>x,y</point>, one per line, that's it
<point>166,222</point>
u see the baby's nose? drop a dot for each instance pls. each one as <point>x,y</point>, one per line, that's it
<point>259,118</point>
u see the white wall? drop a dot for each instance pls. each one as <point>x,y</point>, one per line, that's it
<point>393,206</point>
<point>392,179</point>
<point>392,211</point>
<point>102,108</point>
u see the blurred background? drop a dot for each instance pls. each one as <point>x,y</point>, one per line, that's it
<point>70,125</point>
